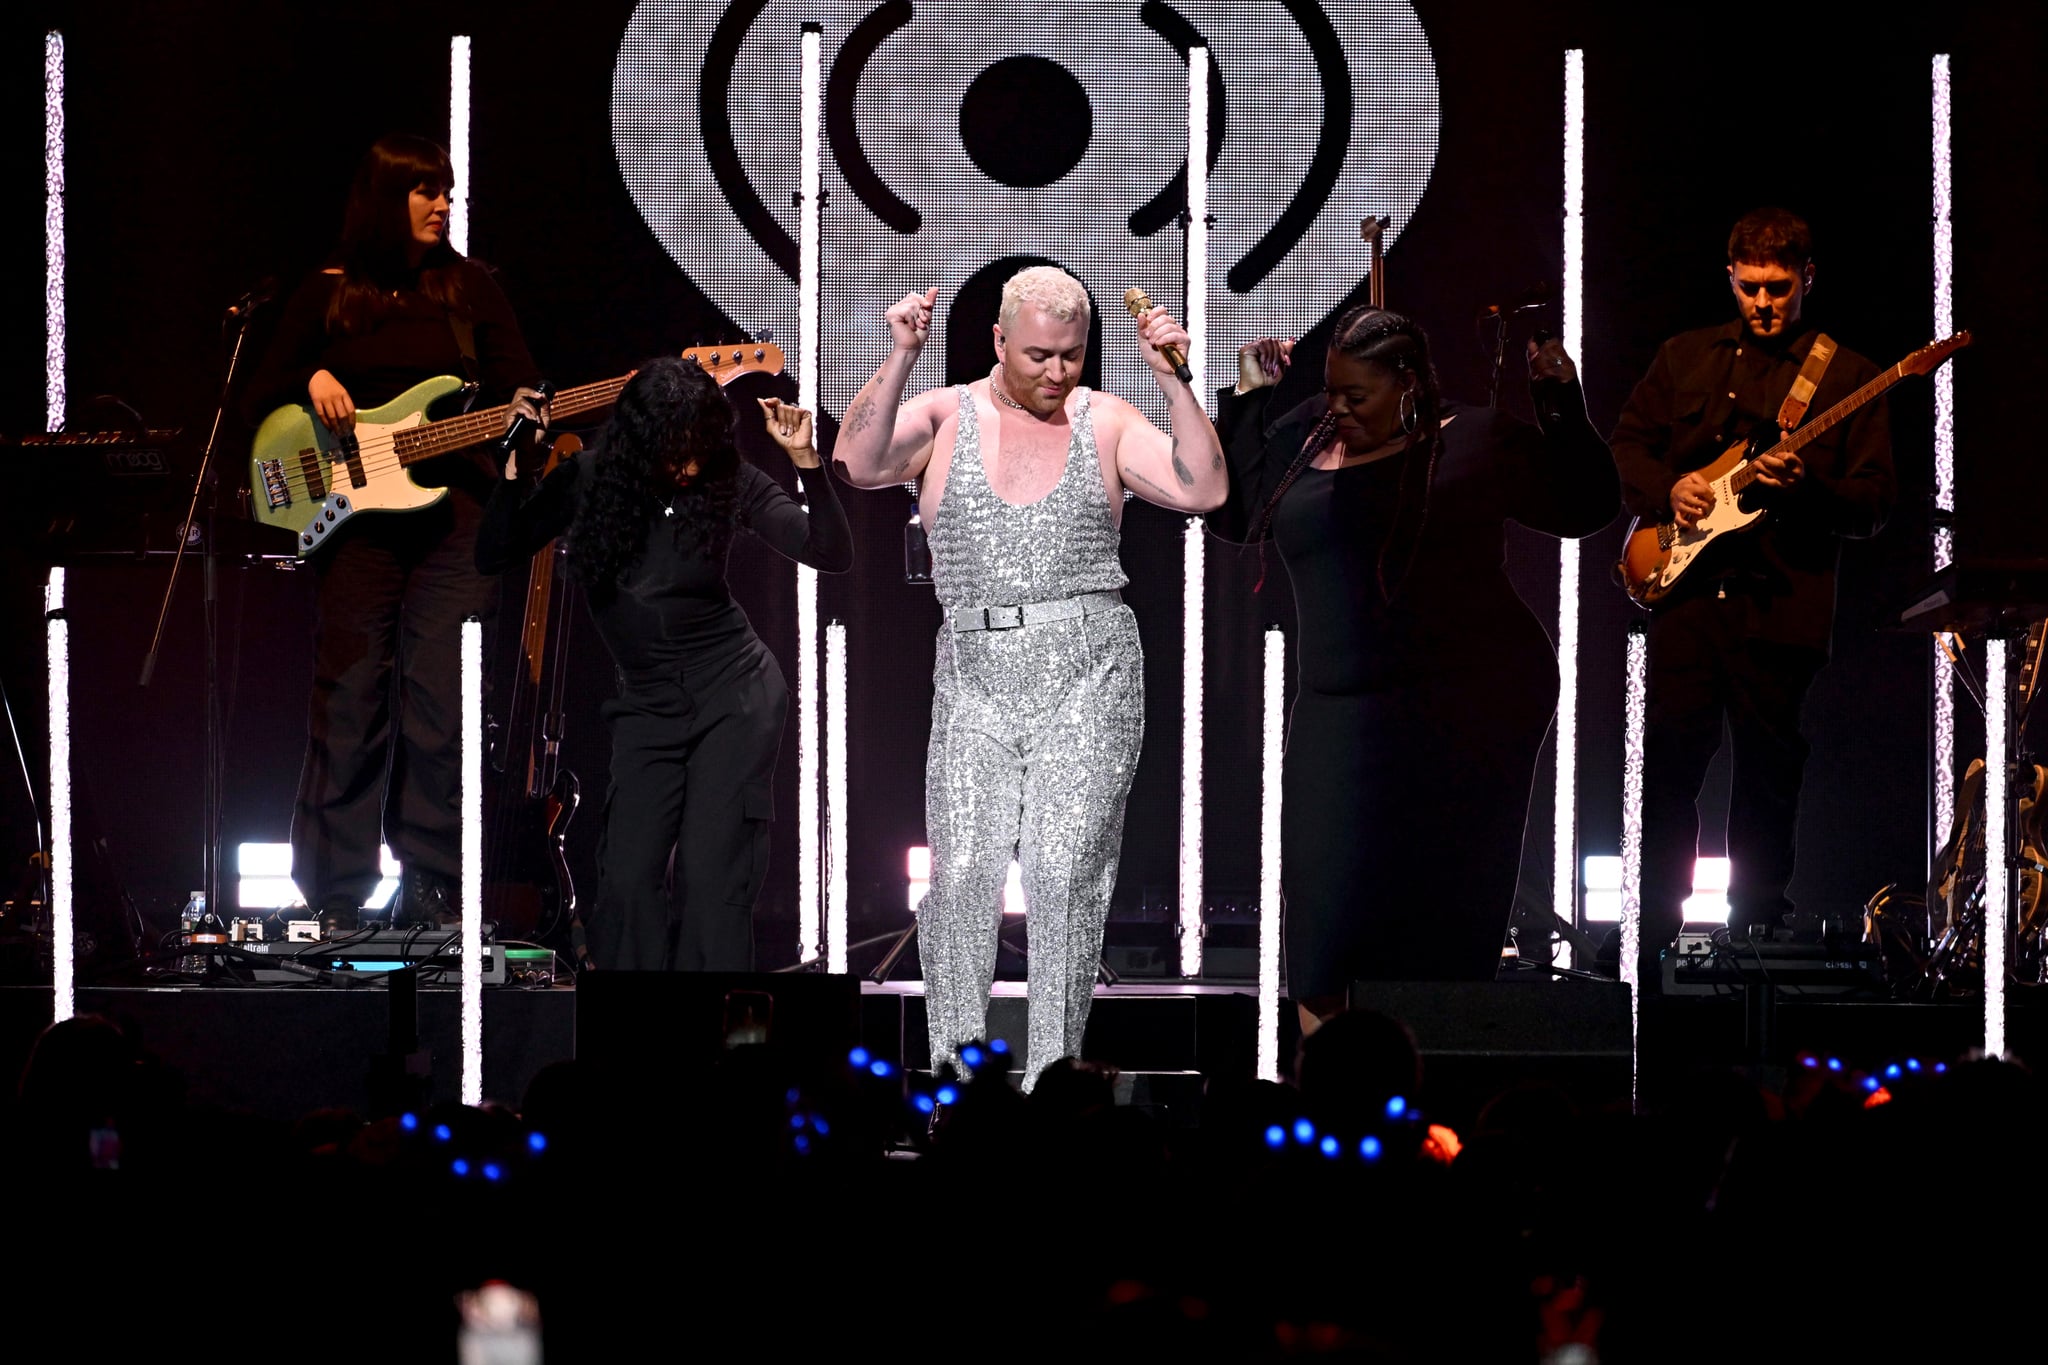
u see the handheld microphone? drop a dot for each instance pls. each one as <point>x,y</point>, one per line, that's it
<point>1535,296</point>
<point>1139,304</point>
<point>521,423</point>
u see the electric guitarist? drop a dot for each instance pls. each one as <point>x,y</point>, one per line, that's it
<point>398,305</point>
<point>1742,637</point>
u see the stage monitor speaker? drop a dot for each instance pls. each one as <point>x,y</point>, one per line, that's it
<point>1479,1038</point>
<point>649,1028</point>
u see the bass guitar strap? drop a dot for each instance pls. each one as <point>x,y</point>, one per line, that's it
<point>1793,410</point>
<point>473,384</point>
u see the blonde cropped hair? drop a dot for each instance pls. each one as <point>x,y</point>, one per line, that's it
<point>1048,286</point>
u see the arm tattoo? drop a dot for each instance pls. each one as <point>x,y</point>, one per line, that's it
<point>1151,485</point>
<point>1180,470</point>
<point>861,418</point>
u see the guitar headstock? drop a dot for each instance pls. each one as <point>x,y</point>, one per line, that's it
<point>1929,357</point>
<point>727,363</point>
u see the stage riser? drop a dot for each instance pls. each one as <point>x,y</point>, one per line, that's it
<point>1211,1034</point>
<point>278,1054</point>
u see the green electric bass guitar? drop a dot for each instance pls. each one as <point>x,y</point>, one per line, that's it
<point>306,480</point>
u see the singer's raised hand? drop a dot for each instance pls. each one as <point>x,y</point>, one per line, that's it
<point>910,321</point>
<point>529,404</point>
<point>1156,331</point>
<point>1262,362</point>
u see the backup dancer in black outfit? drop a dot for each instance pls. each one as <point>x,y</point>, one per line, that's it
<point>392,589</point>
<point>650,511</point>
<point>1426,684</point>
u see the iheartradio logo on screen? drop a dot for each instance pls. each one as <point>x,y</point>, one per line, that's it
<point>964,139</point>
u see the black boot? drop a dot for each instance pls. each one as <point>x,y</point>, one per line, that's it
<point>424,898</point>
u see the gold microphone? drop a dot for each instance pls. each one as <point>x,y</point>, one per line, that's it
<point>1139,304</point>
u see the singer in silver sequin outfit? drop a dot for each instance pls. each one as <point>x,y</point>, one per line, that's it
<point>1039,683</point>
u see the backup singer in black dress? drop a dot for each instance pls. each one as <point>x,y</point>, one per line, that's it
<point>397,305</point>
<point>650,510</point>
<point>1426,685</point>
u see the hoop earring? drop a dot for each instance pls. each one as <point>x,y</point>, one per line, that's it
<point>1409,416</point>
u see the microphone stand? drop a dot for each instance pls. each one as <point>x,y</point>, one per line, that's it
<point>1500,353</point>
<point>206,488</point>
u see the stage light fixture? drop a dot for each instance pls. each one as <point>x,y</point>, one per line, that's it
<point>54,401</point>
<point>63,925</point>
<point>837,811</point>
<point>458,143</point>
<point>1944,457</point>
<point>1629,872</point>
<point>811,931</point>
<point>1997,877</point>
<point>1565,798</point>
<point>1272,746</point>
<point>1193,585</point>
<point>473,861</point>
<point>1198,221</point>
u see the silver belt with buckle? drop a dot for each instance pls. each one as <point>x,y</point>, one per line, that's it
<point>1034,613</point>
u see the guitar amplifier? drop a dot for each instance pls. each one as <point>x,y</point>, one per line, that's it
<point>371,952</point>
<point>1701,966</point>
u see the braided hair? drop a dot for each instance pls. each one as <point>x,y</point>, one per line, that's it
<point>670,413</point>
<point>1396,343</point>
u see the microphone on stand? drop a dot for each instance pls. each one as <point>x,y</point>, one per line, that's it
<point>1139,304</point>
<point>264,292</point>
<point>1530,299</point>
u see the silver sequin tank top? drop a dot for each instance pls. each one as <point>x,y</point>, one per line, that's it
<point>990,553</point>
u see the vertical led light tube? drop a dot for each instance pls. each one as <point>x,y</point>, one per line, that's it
<point>1997,876</point>
<point>809,899</point>
<point>53,231</point>
<point>1272,745</point>
<point>1635,698</point>
<point>1944,457</point>
<point>63,927</point>
<point>1198,220</point>
<point>1193,584</point>
<point>472,861</point>
<point>835,797</point>
<point>1564,813</point>
<point>458,143</point>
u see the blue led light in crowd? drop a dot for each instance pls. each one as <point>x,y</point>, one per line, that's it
<point>1396,1107</point>
<point>1304,1131</point>
<point>408,1121</point>
<point>1328,1146</point>
<point>971,1055</point>
<point>1940,1067</point>
<point>859,1057</point>
<point>1809,1061</point>
<point>492,1170</point>
<point>1276,1136</point>
<point>999,1047</point>
<point>1834,1063</point>
<point>949,1094</point>
<point>796,1121</point>
<point>880,1067</point>
<point>1369,1148</point>
<point>1870,1083</point>
<point>803,1144</point>
<point>459,1166</point>
<point>821,1128</point>
<point>924,1104</point>
<point>537,1141</point>
<point>441,1132</point>
<point>793,1096</point>
<point>1912,1063</point>
<point>1892,1071</point>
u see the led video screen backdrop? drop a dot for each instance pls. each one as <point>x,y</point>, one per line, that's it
<point>961,137</point>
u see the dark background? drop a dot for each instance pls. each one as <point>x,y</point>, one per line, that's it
<point>209,146</point>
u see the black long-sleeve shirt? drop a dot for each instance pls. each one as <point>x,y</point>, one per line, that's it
<point>1455,600</point>
<point>1710,388</point>
<point>672,610</point>
<point>409,343</point>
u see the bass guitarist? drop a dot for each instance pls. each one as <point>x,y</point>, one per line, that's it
<point>1742,637</point>
<point>396,305</point>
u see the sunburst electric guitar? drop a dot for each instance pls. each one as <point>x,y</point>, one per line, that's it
<point>306,480</point>
<point>1657,555</point>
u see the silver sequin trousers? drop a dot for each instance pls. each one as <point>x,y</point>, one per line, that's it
<point>1035,736</point>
